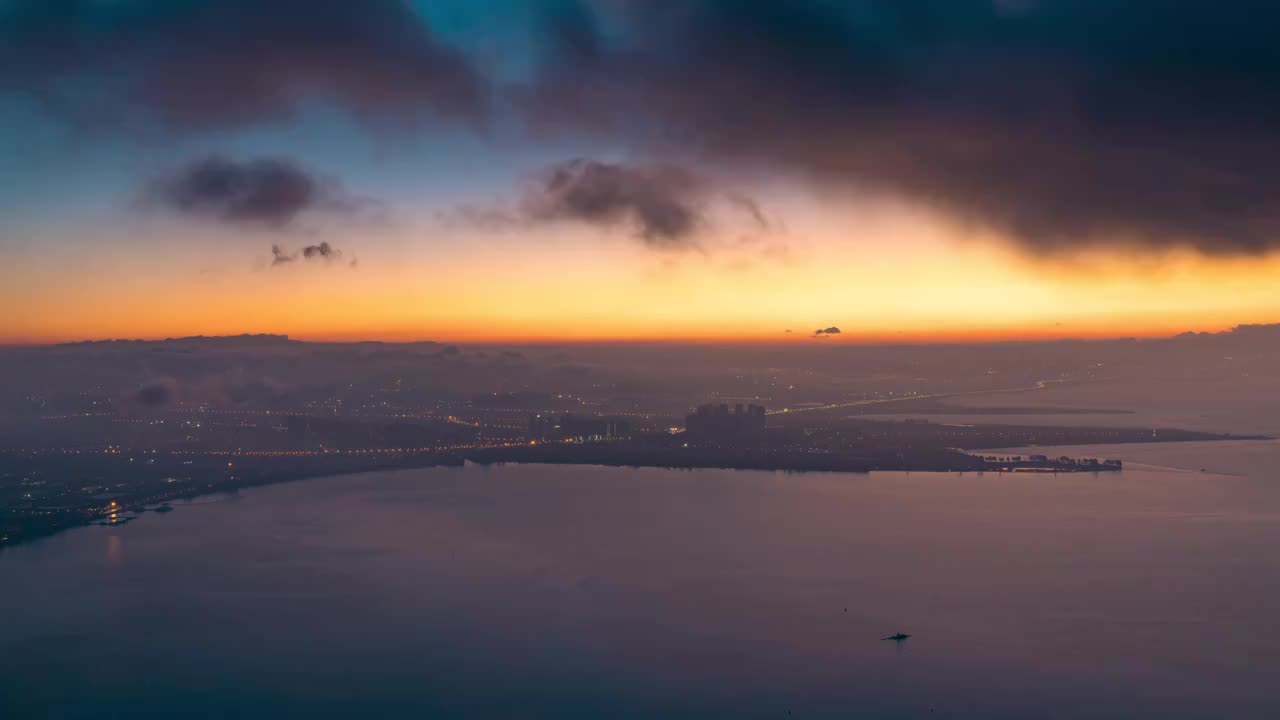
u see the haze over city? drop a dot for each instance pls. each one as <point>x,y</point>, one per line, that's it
<point>639,358</point>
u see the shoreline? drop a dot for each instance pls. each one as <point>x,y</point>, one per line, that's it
<point>123,512</point>
<point>212,475</point>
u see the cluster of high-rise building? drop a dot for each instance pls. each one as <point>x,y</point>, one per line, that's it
<point>722,423</point>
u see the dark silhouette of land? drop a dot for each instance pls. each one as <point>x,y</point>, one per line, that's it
<point>141,424</point>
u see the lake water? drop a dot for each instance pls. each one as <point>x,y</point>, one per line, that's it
<point>568,592</point>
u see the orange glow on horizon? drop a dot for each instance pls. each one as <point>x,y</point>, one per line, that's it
<point>933,283</point>
<point>903,337</point>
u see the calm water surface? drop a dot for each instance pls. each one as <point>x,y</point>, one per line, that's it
<point>563,592</point>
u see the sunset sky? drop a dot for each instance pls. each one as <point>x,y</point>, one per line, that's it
<point>705,170</point>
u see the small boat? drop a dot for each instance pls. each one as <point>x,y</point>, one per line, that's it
<point>897,638</point>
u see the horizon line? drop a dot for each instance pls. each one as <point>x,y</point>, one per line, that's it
<point>800,339</point>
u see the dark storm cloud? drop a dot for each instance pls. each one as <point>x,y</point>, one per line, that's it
<point>1063,122</point>
<point>265,191</point>
<point>322,252</point>
<point>223,63</point>
<point>826,331</point>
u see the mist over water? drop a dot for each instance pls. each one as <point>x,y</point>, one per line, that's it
<point>551,591</point>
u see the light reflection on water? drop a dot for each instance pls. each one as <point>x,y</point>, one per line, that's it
<point>114,549</point>
<point>593,592</point>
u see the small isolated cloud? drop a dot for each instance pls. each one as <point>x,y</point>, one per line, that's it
<point>323,252</point>
<point>269,192</point>
<point>821,332</point>
<point>280,257</point>
<point>663,205</point>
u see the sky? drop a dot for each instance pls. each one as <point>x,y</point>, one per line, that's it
<point>693,170</point>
